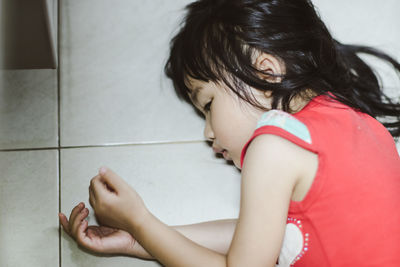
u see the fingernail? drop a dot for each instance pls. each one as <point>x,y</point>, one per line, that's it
<point>102,170</point>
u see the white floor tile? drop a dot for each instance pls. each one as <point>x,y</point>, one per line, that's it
<point>28,108</point>
<point>180,184</point>
<point>28,209</point>
<point>112,82</point>
<point>362,22</point>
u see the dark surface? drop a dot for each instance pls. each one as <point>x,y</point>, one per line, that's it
<point>26,38</point>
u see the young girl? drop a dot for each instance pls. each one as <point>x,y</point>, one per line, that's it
<point>295,110</point>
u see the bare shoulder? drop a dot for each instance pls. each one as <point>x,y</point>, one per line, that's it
<point>277,157</point>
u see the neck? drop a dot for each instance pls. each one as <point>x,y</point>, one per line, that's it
<point>301,100</point>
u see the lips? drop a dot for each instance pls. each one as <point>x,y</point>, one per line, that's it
<point>222,151</point>
<point>218,150</point>
<point>225,154</point>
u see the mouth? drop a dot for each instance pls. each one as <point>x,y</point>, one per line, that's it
<point>223,152</point>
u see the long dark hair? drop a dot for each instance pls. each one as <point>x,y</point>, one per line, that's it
<point>218,39</point>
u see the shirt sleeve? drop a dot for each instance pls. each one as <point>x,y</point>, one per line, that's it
<point>285,125</point>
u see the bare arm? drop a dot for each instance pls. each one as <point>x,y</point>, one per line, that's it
<point>214,235</point>
<point>267,187</point>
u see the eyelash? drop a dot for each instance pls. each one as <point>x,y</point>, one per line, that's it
<point>207,106</point>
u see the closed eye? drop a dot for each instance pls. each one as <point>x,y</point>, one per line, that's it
<point>207,107</point>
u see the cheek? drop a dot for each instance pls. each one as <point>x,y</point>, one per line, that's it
<point>231,124</point>
<point>218,126</point>
<point>227,130</point>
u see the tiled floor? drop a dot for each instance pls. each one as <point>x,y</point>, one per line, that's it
<point>109,104</point>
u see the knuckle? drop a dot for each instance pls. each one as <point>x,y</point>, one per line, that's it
<point>81,213</point>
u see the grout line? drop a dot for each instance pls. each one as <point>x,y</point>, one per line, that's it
<point>58,124</point>
<point>145,143</point>
<point>28,149</point>
<point>59,147</point>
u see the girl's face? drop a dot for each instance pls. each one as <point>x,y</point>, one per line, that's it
<point>230,121</point>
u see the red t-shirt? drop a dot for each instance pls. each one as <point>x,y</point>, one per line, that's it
<point>351,214</point>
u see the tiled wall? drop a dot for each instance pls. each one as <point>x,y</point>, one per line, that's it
<point>117,109</point>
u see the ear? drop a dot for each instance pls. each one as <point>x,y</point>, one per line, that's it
<point>269,64</point>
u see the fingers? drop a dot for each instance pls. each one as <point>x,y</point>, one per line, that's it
<point>112,180</point>
<point>98,189</point>
<point>78,214</point>
<point>92,193</point>
<point>75,225</point>
<point>75,211</point>
<point>81,235</point>
<point>92,199</point>
<point>64,222</point>
<point>105,182</point>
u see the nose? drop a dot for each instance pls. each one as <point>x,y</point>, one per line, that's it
<point>208,132</point>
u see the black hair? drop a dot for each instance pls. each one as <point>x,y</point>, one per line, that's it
<point>218,39</point>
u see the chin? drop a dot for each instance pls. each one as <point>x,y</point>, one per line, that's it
<point>236,163</point>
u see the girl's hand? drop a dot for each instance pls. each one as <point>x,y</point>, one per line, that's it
<point>115,203</point>
<point>99,239</point>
